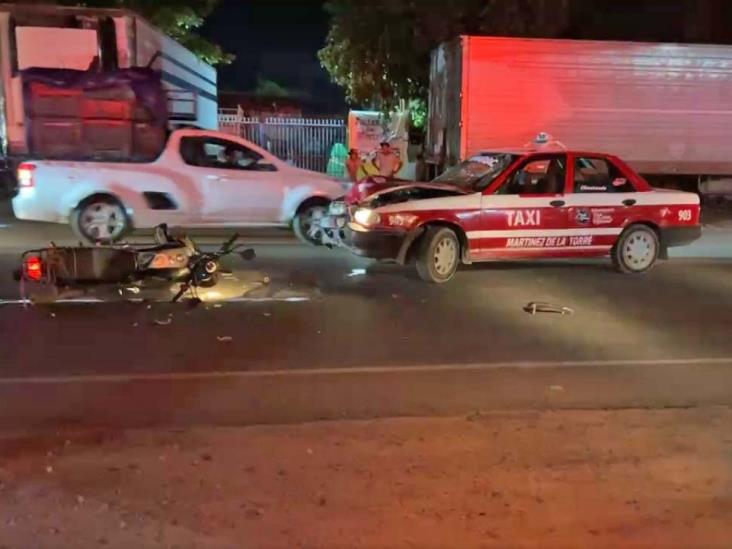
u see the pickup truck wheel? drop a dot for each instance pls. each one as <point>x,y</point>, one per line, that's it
<point>438,255</point>
<point>100,219</point>
<point>306,223</point>
<point>636,250</point>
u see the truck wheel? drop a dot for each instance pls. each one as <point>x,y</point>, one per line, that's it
<point>636,250</point>
<point>438,255</point>
<point>100,219</point>
<point>306,220</point>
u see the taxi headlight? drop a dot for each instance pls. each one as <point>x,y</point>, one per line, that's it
<point>366,217</point>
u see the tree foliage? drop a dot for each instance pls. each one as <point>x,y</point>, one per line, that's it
<point>271,89</point>
<point>179,19</point>
<point>379,51</point>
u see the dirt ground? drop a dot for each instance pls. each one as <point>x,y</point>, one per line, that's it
<point>555,479</point>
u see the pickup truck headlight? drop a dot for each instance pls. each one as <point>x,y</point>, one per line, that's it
<point>366,217</point>
<point>337,208</point>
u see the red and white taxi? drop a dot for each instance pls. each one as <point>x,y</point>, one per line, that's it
<point>525,204</point>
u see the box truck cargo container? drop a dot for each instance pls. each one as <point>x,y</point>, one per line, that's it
<point>101,41</point>
<point>664,108</point>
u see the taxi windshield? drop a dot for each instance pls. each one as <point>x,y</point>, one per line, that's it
<point>476,172</point>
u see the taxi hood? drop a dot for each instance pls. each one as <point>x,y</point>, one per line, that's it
<point>413,191</point>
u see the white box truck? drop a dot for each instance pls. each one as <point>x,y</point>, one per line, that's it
<point>666,109</point>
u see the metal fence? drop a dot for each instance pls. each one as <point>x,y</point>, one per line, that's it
<point>317,144</point>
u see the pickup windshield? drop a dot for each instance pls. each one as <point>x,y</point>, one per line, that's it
<point>478,171</point>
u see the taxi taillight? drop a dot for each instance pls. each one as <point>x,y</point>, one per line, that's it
<point>25,175</point>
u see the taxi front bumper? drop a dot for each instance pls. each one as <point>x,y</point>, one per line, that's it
<point>382,244</point>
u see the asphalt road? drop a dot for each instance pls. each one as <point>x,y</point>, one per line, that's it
<point>334,335</point>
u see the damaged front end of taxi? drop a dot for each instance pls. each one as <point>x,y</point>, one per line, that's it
<point>332,228</point>
<point>375,230</point>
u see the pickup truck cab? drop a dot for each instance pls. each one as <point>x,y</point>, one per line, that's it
<point>201,179</point>
<point>524,204</point>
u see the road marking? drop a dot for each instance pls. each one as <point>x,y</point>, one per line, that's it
<point>87,301</point>
<point>58,301</point>
<point>190,376</point>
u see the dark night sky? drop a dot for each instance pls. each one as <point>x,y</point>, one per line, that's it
<point>279,40</point>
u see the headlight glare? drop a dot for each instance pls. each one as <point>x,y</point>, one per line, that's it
<point>366,217</point>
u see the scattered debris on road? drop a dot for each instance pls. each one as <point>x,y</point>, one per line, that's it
<point>225,339</point>
<point>534,307</point>
<point>164,322</point>
<point>356,272</point>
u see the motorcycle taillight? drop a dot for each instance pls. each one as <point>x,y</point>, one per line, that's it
<point>33,268</point>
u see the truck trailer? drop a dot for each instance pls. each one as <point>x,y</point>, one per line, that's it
<point>666,109</point>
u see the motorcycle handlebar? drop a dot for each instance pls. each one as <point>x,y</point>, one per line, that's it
<point>226,248</point>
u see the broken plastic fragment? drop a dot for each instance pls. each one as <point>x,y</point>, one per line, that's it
<point>224,339</point>
<point>165,322</point>
<point>538,307</point>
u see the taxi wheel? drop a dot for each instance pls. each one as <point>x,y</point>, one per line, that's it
<point>636,250</point>
<point>438,255</point>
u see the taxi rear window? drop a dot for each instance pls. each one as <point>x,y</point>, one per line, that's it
<point>598,175</point>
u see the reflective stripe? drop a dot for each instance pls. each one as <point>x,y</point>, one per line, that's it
<point>601,231</point>
<point>543,249</point>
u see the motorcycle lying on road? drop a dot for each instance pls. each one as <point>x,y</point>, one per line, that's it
<point>174,269</point>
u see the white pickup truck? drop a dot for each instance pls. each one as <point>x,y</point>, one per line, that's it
<point>201,179</point>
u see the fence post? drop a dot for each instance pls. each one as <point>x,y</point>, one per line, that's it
<point>262,134</point>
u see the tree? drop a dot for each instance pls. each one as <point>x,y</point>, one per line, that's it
<point>271,89</point>
<point>379,51</point>
<point>177,18</point>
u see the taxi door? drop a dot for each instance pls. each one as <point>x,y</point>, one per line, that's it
<point>601,200</point>
<point>527,214</point>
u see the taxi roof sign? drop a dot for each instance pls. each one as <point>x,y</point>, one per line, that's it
<point>545,142</point>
